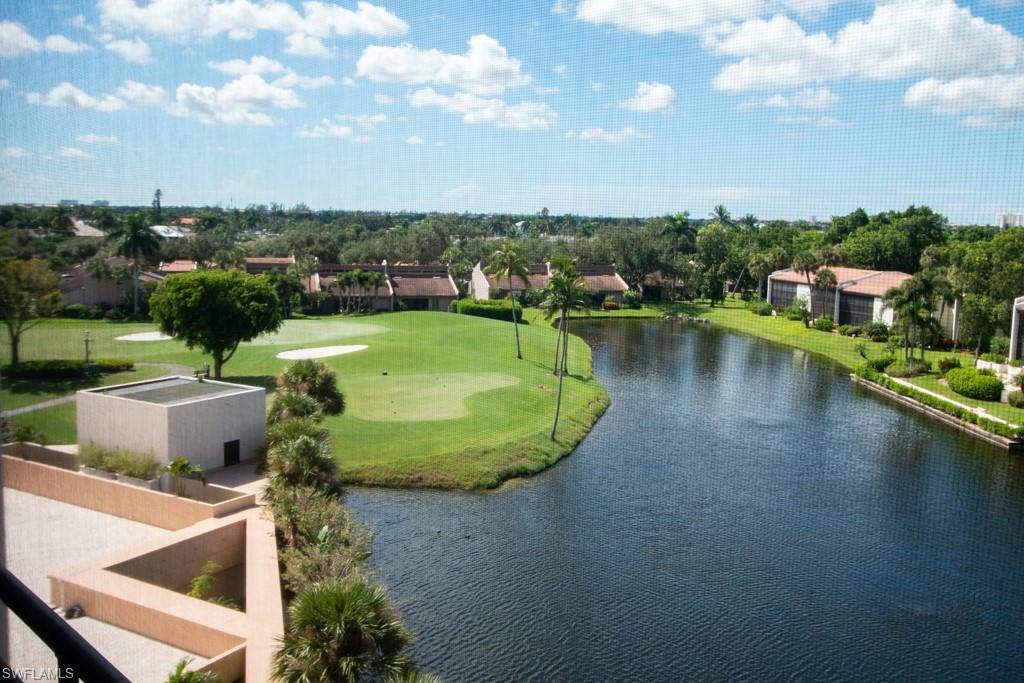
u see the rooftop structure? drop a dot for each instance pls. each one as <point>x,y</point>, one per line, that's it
<point>604,280</point>
<point>167,231</point>
<point>213,424</point>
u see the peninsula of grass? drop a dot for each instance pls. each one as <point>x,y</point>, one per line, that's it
<point>435,399</point>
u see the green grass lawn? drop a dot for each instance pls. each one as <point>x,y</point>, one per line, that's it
<point>17,393</point>
<point>996,408</point>
<point>454,409</point>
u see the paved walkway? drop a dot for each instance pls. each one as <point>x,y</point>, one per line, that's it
<point>171,368</point>
<point>947,399</point>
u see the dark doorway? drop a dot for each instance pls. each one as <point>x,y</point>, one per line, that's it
<point>232,453</point>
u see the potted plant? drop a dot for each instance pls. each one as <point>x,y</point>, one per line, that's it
<point>180,470</point>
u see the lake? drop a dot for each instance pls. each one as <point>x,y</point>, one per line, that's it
<point>741,512</point>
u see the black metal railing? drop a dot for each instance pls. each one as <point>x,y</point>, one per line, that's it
<point>77,660</point>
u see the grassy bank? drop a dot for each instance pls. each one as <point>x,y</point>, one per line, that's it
<point>435,399</point>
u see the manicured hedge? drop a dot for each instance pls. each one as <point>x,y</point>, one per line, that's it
<point>64,369</point>
<point>948,363</point>
<point>495,309</point>
<point>998,428</point>
<point>971,383</point>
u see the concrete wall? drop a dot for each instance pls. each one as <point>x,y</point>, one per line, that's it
<point>114,422</point>
<point>198,430</point>
<point>479,287</point>
<point>1017,330</point>
<point>42,454</point>
<point>115,498</point>
<point>94,291</point>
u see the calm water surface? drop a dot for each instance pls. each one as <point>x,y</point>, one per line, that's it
<point>741,512</point>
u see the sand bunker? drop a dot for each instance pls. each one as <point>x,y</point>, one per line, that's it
<point>320,352</point>
<point>145,336</point>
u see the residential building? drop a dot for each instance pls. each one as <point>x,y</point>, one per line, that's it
<point>1009,220</point>
<point>79,286</point>
<point>856,300</point>
<point>167,231</point>
<point>83,229</point>
<point>1017,330</point>
<point>603,280</point>
<point>418,288</point>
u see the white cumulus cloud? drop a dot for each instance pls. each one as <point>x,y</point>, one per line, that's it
<point>666,16</point>
<point>14,152</point>
<point>414,140</point>
<point>332,129</point>
<point>382,99</point>
<point>94,139</point>
<point>74,153</point>
<point>611,137</point>
<point>901,39</point>
<point>141,94</point>
<point>242,101</point>
<point>982,101</point>
<point>135,50</point>
<point>260,65</point>
<point>67,95</point>
<point>64,45</point>
<point>651,97</point>
<point>484,69</point>
<point>522,116</point>
<point>243,19</point>
<point>16,40</point>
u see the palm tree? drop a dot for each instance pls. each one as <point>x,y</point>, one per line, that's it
<point>316,379</point>
<point>749,223</point>
<point>566,265</point>
<point>341,631</point>
<point>180,675</point>
<point>826,280</point>
<point>374,280</point>
<point>136,241</point>
<point>508,263</point>
<point>565,293</point>
<point>806,263</point>
<point>678,228</point>
<point>721,214</point>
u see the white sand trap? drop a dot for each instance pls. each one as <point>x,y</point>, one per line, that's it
<point>145,336</point>
<point>320,352</point>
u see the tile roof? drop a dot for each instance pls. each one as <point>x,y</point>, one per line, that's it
<point>420,284</point>
<point>851,280</point>
<point>178,266</point>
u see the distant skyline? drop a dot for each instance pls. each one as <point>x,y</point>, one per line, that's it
<point>781,108</point>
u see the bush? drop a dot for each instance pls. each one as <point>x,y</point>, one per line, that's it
<point>64,369</point>
<point>532,297</point>
<point>610,305</point>
<point>1015,363</point>
<point>974,384</point>
<point>316,379</point>
<point>495,309</point>
<point>948,363</point>
<point>632,299</point>
<point>791,313</point>
<point>75,311</point>
<point>1018,381</point>
<point>877,332</point>
<point>910,368</point>
<point>993,357</point>
<point>760,307</point>
<point>999,344</point>
<point>845,330</point>
<point>1016,399</point>
<point>855,331</point>
<point>880,364</point>
<point>824,324</point>
<point>121,461</point>
<point>998,428</point>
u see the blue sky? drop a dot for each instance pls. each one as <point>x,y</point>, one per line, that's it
<point>781,108</point>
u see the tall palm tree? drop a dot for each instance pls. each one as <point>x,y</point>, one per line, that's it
<point>826,280</point>
<point>678,229</point>
<point>722,215</point>
<point>507,263</point>
<point>374,280</point>
<point>567,266</point>
<point>341,631</point>
<point>565,293</point>
<point>806,263</point>
<point>134,240</point>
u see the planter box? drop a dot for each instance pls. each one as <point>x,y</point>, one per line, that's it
<point>150,484</point>
<point>102,474</point>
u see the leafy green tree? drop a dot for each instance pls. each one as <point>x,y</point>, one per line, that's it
<point>713,253</point>
<point>566,292</point>
<point>216,311</point>
<point>288,287</point>
<point>721,215</point>
<point>134,240</point>
<point>28,290</point>
<point>341,631</point>
<point>680,233</point>
<point>507,263</point>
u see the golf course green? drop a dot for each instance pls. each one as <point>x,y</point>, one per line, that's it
<point>435,399</point>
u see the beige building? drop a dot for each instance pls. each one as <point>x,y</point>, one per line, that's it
<point>79,286</point>
<point>1017,330</point>
<point>603,280</point>
<point>212,424</point>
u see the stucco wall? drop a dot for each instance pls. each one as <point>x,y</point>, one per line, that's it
<point>480,288</point>
<point>116,422</point>
<point>199,430</point>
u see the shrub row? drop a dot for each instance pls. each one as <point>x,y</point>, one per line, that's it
<point>975,384</point>
<point>495,309</point>
<point>998,428</point>
<point>993,357</point>
<point>64,369</point>
<point>120,461</point>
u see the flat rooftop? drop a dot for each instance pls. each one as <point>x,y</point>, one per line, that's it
<point>174,390</point>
